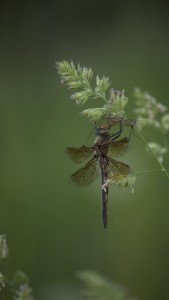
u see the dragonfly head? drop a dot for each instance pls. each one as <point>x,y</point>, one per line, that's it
<point>102,130</point>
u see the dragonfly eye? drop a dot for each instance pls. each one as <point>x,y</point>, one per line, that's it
<point>102,130</point>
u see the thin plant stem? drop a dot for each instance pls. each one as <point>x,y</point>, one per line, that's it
<point>163,169</point>
<point>149,171</point>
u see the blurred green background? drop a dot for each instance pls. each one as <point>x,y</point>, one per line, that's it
<point>54,228</point>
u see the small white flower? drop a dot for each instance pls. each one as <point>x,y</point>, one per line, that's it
<point>165,123</point>
<point>161,107</point>
<point>3,247</point>
<point>2,283</point>
<point>158,150</point>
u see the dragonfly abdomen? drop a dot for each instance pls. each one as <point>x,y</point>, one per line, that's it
<point>104,173</point>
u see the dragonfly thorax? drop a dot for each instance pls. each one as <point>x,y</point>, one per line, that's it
<point>100,150</point>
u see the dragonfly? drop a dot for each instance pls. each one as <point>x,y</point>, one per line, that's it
<point>107,147</point>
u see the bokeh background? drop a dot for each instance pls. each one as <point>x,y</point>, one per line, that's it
<point>53,228</point>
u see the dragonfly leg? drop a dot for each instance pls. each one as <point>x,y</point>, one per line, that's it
<point>117,134</point>
<point>131,129</point>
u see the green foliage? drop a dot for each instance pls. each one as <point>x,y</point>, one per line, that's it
<point>74,78</point>
<point>154,114</point>
<point>2,281</point>
<point>24,292</point>
<point>3,247</point>
<point>17,286</point>
<point>81,78</point>
<point>3,256</point>
<point>148,110</point>
<point>98,287</point>
<point>158,149</point>
<point>114,107</point>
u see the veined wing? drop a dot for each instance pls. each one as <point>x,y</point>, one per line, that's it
<point>120,173</point>
<point>78,155</point>
<point>87,174</point>
<point>117,148</point>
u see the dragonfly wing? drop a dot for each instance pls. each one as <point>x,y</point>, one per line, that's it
<point>87,174</point>
<point>120,173</point>
<point>117,148</point>
<point>78,155</point>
